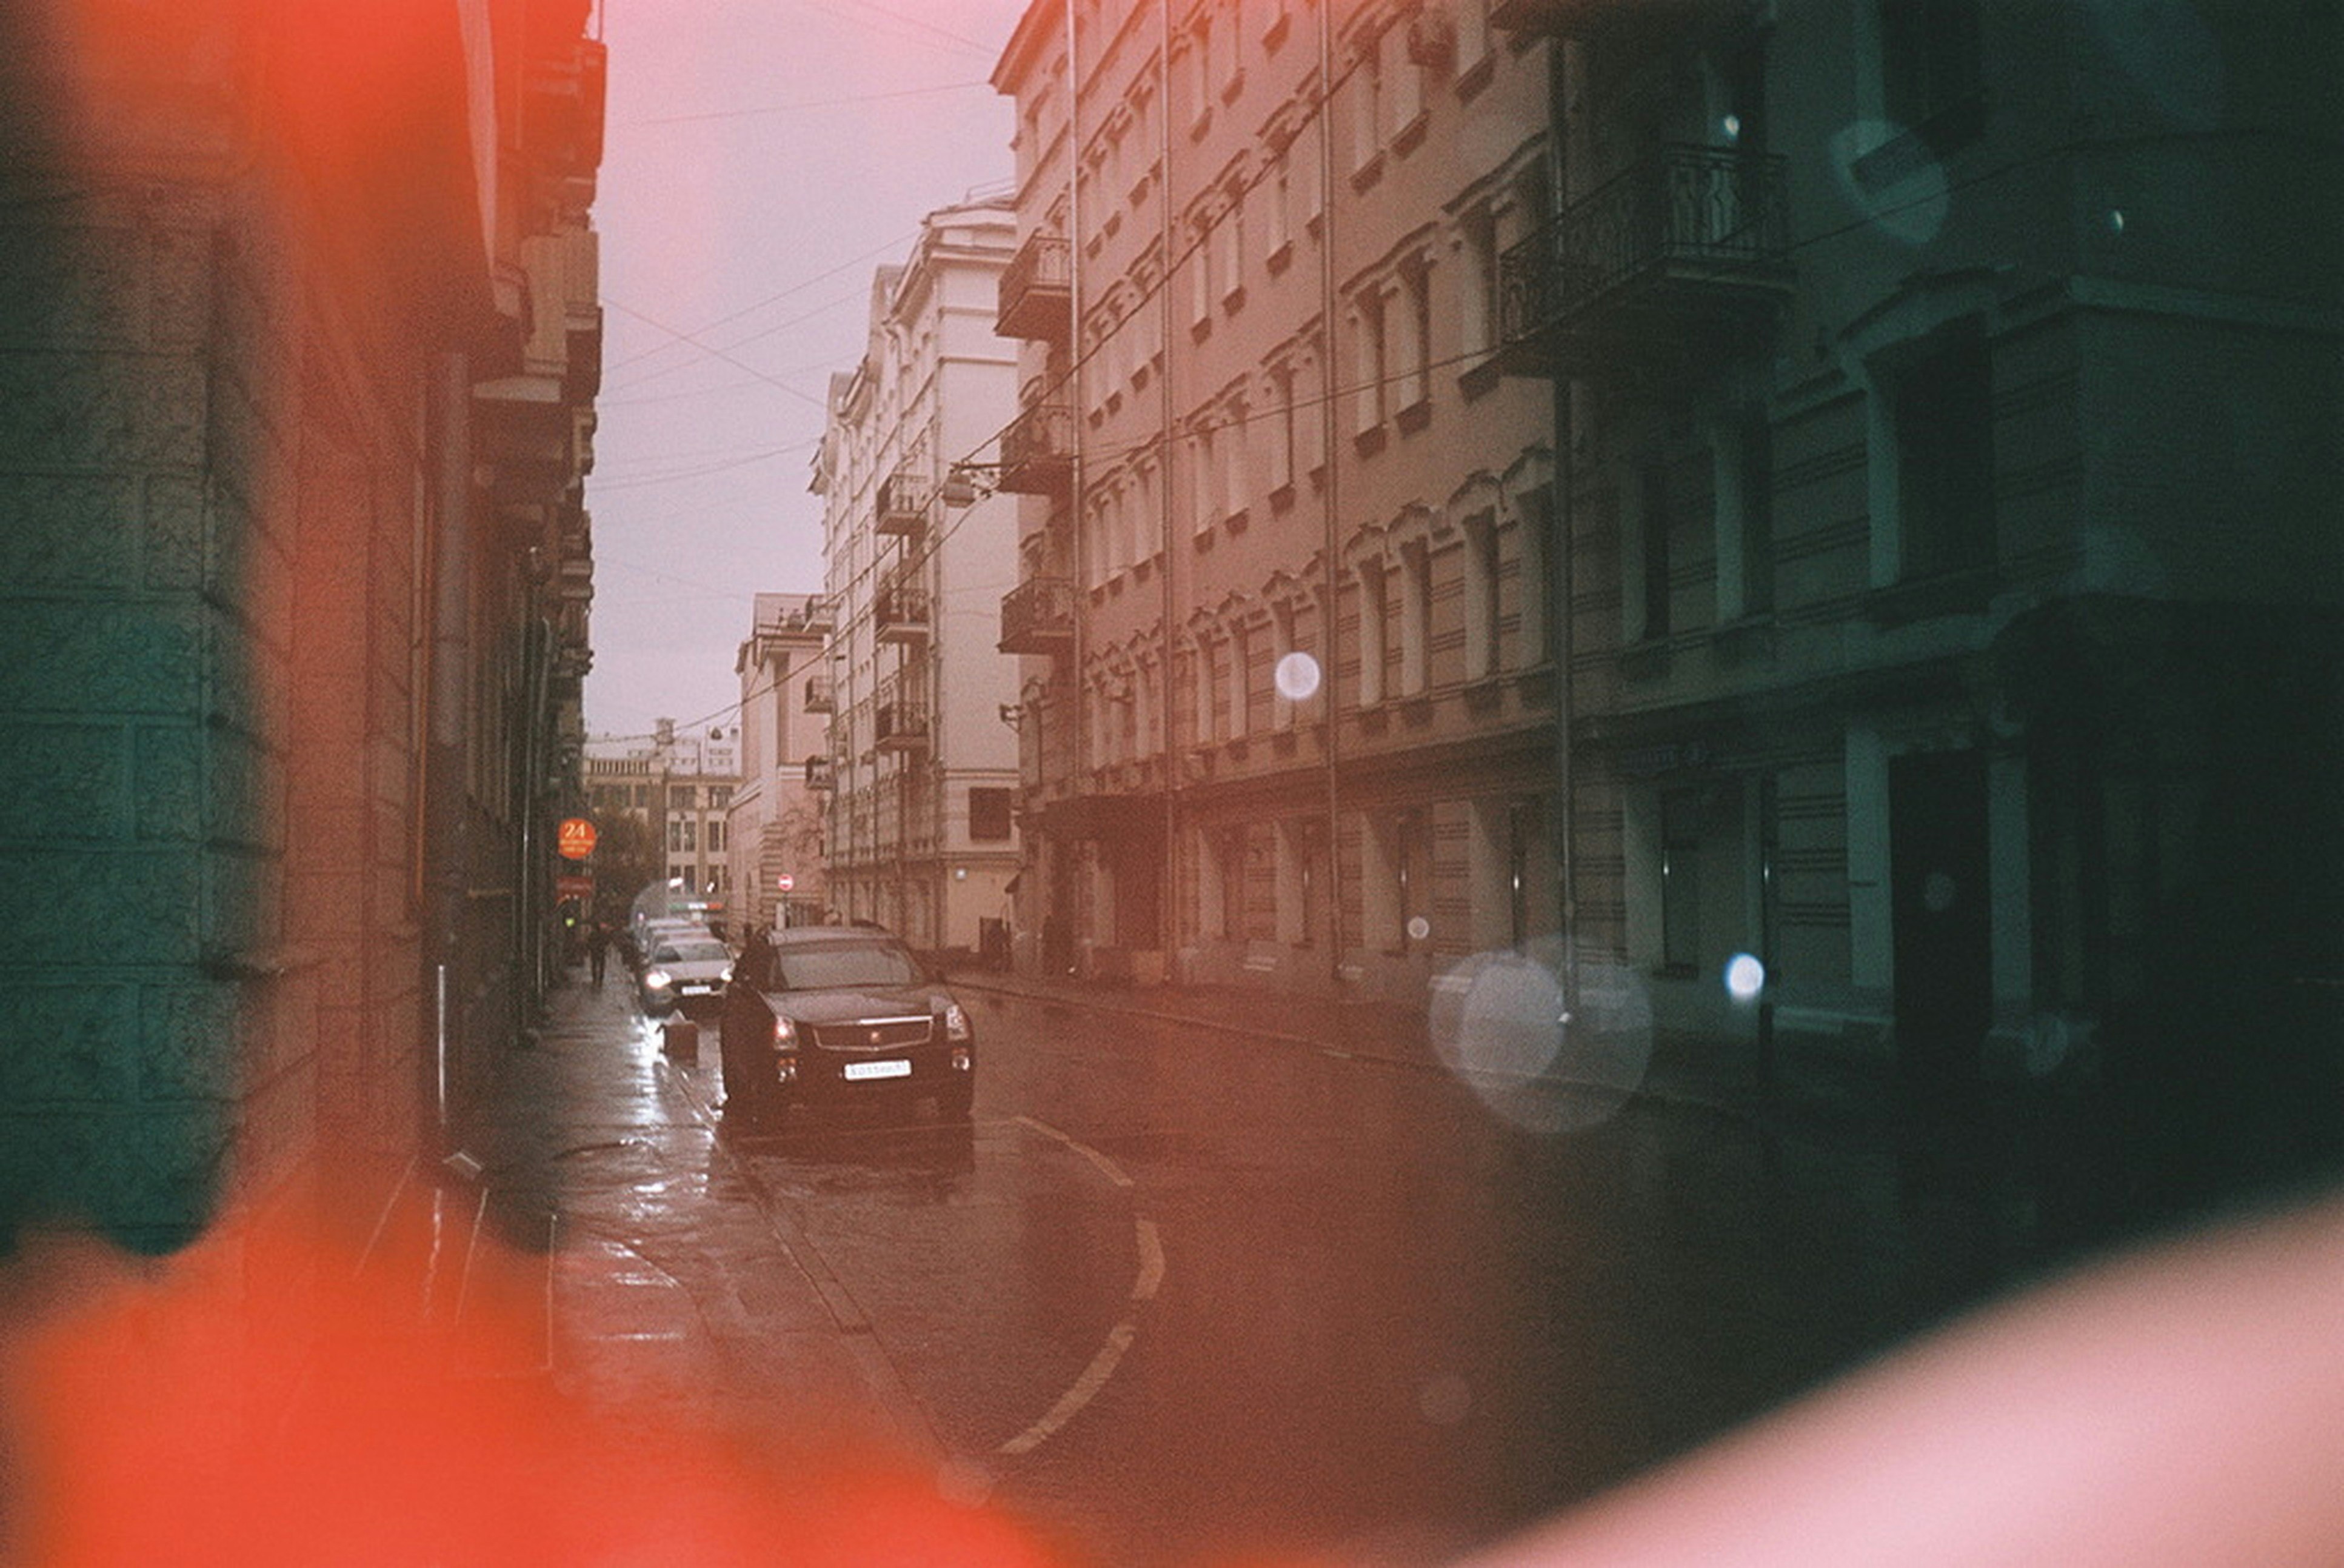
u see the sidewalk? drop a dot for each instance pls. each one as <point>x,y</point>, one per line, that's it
<point>678,1292</point>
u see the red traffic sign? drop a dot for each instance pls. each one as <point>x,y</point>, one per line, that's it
<point>573,887</point>
<point>575,838</point>
<point>787,881</point>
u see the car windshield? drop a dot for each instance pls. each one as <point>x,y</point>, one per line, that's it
<point>694,953</point>
<point>844,964</point>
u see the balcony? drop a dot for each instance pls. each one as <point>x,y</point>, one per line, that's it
<point>1037,449</point>
<point>819,615</point>
<point>1035,299</point>
<point>1677,262</point>
<point>900,720</point>
<point>904,498</point>
<point>1037,616</point>
<point>1586,20</point>
<point>817,695</point>
<point>899,612</point>
<point>820,773</point>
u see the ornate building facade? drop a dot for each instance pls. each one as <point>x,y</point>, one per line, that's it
<point>1289,679</point>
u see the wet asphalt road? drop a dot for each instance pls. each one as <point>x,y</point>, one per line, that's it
<point>1183,1293</point>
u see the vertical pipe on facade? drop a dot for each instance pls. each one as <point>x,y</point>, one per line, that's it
<point>1077,708</point>
<point>1559,573</point>
<point>1172,892</point>
<point>451,559</point>
<point>1330,548</point>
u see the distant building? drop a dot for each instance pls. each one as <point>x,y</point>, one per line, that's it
<point>775,829</point>
<point>921,834</point>
<point>679,787</point>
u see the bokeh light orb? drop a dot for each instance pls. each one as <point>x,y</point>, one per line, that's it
<point>1297,675</point>
<point>1746,976</point>
<point>1542,1053</point>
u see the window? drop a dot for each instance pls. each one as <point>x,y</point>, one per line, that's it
<point>1402,83</point>
<point>1415,620</point>
<point>1410,325</point>
<point>1281,430</point>
<point>1367,112</point>
<point>1756,468</point>
<point>1277,208</point>
<point>1230,236</point>
<point>1241,646</point>
<point>716,836</point>
<point>1205,487</point>
<point>1480,597</point>
<point>1652,554</point>
<point>1942,410</point>
<point>1930,68</point>
<point>989,813</point>
<point>1368,363</point>
<point>1371,632</point>
<point>1477,278</point>
<point>1412,868</point>
<point>1230,860</point>
<point>1234,473</point>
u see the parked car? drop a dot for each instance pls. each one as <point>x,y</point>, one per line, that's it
<point>685,973</point>
<point>840,1014</point>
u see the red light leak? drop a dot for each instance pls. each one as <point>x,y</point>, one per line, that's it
<point>257,1399</point>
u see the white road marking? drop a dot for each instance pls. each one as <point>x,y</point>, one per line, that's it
<point>1110,1354</point>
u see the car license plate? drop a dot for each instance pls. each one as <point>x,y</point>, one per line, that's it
<point>893,1069</point>
<point>697,990</point>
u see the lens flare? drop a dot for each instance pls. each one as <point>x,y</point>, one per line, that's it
<point>1746,976</point>
<point>1545,1050</point>
<point>277,1395</point>
<point>1297,677</point>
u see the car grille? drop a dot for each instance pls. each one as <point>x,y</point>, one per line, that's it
<point>871,1034</point>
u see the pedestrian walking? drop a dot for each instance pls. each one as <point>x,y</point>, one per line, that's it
<point>598,950</point>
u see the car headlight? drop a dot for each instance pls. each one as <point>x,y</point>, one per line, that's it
<point>785,1033</point>
<point>657,980</point>
<point>725,975</point>
<point>957,1023</point>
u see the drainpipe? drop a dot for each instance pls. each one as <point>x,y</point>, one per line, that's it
<point>1076,709</point>
<point>1330,548</point>
<point>450,670</point>
<point>1169,905</point>
<point>1559,567</point>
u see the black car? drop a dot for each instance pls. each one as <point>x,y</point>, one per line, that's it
<point>833,1015</point>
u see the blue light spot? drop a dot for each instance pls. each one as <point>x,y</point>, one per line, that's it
<point>1746,976</point>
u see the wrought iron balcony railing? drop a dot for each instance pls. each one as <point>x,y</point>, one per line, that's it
<point>1037,449</point>
<point>1036,296</point>
<point>900,719</point>
<point>899,612</point>
<point>904,498</point>
<point>1679,254</point>
<point>818,694</point>
<point>1037,616</point>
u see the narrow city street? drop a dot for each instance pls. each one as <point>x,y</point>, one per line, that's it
<point>1179,1291</point>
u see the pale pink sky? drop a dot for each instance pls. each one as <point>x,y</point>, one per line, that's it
<point>763,158</point>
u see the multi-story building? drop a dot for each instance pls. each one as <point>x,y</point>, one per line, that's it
<point>775,833</point>
<point>1955,568</point>
<point>679,789</point>
<point>299,338</point>
<point>1289,685</point>
<point>921,831</point>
